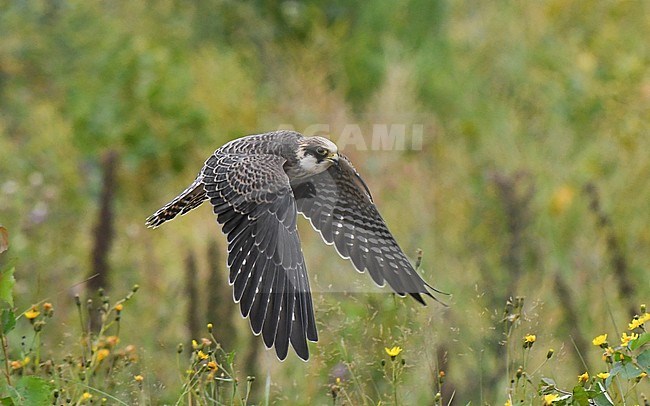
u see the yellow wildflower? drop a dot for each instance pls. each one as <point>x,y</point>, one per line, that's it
<point>48,308</point>
<point>86,396</point>
<point>101,354</point>
<point>600,340</point>
<point>138,378</point>
<point>15,365</point>
<point>393,352</point>
<point>119,307</point>
<point>32,313</point>
<point>550,398</point>
<point>210,327</point>
<point>562,199</point>
<point>584,377</point>
<point>625,339</point>
<point>195,345</point>
<point>112,341</point>
<point>212,365</point>
<point>202,355</point>
<point>636,323</point>
<point>508,403</point>
<point>603,375</point>
<point>529,340</point>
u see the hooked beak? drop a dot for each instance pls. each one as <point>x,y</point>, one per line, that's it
<point>333,158</point>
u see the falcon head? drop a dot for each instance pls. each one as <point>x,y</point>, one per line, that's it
<point>316,154</point>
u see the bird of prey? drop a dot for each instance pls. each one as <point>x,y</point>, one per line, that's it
<point>257,185</point>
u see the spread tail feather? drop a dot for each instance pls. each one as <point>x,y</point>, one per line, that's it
<point>191,198</point>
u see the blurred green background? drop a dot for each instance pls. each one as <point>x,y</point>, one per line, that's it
<point>532,180</point>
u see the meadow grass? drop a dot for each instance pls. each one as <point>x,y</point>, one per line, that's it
<point>98,368</point>
<point>528,196</point>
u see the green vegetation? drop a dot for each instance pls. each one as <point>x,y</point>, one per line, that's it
<point>529,198</point>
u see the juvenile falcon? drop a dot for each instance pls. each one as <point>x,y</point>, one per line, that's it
<point>256,185</point>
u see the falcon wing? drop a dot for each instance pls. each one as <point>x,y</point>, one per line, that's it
<point>339,205</point>
<point>254,203</point>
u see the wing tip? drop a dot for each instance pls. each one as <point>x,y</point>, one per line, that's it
<point>153,221</point>
<point>436,290</point>
<point>282,356</point>
<point>419,298</point>
<point>302,350</point>
<point>305,358</point>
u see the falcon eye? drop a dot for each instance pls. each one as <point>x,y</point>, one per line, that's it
<point>321,151</point>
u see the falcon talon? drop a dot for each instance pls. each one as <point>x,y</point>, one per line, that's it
<point>257,185</point>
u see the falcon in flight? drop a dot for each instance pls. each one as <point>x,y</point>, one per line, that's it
<point>257,185</point>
